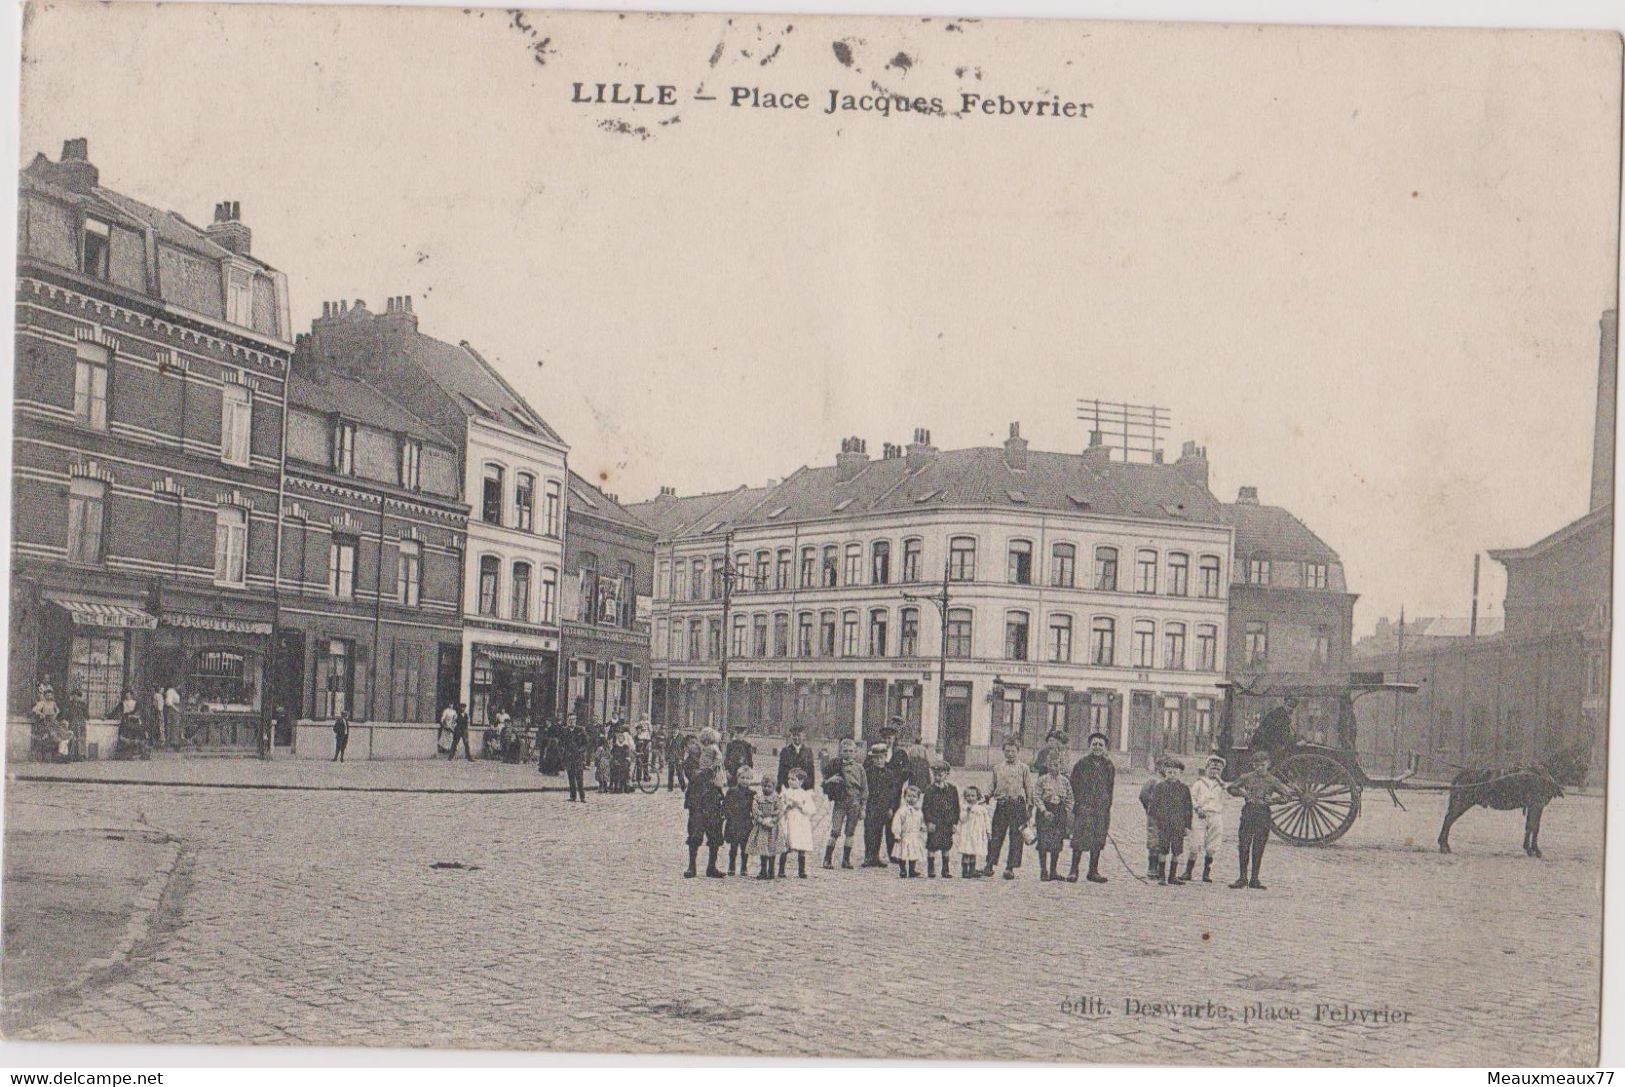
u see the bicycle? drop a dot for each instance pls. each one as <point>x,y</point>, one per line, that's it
<point>648,767</point>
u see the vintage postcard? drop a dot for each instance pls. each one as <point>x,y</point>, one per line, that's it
<point>913,538</point>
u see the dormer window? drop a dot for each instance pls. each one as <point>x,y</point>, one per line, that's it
<point>95,249</point>
<point>240,297</point>
<point>411,461</point>
<point>344,447</point>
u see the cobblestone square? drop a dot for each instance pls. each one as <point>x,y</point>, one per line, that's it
<point>316,917</point>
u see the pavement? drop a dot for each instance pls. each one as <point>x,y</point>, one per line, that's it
<point>317,913</point>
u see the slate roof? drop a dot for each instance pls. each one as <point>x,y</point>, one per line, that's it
<point>600,505</point>
<point>674,518</point>
<point>1600,518</point>
<point>1276,533</point>
<point>466,377</point>
<point>358,400</point>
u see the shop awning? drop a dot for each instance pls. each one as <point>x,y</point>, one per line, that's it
<point>87,612</point>
<point>519,658</point>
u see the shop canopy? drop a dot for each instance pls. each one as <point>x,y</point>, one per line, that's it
<point>519,658</point>
<point>88,612</point>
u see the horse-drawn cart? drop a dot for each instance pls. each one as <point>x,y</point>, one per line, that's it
<point>1322,771</point>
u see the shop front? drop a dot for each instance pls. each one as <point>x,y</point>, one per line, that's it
<point>522,680</point>
<point>91,643</point>
<point>212,657</point>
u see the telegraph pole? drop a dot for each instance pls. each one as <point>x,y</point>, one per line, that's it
<point>940,599</point>
<point>728,574</point>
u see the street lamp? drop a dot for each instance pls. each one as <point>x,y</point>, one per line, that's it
<point>941,600</point>
<point>729,573</point>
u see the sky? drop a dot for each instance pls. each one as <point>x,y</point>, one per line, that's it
<point>1363,268</point>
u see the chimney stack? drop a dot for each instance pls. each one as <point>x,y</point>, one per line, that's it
<point>1015,449</point>
<point>227,231</point>
<point>854,455</point>
<point>398,313</point>
<point>74,172</point>
<point>1192,463</point>
<point>1247,496</point>
<point>920,449</point>
<point>668,492</point>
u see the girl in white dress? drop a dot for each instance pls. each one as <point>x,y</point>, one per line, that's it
<point>975,826</point>
<point>800,805</point>
<point>908,828</point>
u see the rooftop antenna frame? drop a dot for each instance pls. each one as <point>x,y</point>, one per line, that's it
<point>1140,426</point>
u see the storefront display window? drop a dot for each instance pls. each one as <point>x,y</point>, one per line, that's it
<point>224,680</point>
<point>97,669</point>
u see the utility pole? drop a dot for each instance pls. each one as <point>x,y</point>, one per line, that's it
<point>941,600</point>
<point>1399,698</point>
<point>729,572</point>
<point>1472,624</point>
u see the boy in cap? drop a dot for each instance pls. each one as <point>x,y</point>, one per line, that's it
<point>877,806</point>
<point>1258,787</point>
<point>703,799</point>
<point>940,807</point>
<point>1168,816</point>
<point>846,785</point>
<point>736,815</point>
<point>1207,831</point>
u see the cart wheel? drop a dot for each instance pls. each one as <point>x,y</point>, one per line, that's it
<point>1323,803</point>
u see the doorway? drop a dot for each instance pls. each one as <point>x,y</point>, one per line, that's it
<point>288,684</point>
<point>1142,723</point>
<point>956,723</point>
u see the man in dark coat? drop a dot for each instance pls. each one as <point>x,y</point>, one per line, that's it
<point>796,755</point>
<point>739,752</point>
<point>878,807</point>
<point>1274,733</point>
<point>459,734</point>
<point>1093,779</point>
<point>575,746</point>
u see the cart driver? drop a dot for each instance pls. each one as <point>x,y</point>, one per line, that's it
<point>1274,732</point>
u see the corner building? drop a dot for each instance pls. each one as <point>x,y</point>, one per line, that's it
<point>1084,594</point>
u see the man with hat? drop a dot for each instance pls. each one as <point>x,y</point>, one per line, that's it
<point>739,753</point>
<point>878,806</point>
<point>1094,778</point>
<point>1207,828</point>
<point>796,755</point>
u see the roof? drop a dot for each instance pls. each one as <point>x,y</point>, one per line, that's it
<point>472,382</point>
<point>338,392</point>
<point>1597,519</point>
<point>1276,533</point>
<point>588,499</point>
<point>673,518</point>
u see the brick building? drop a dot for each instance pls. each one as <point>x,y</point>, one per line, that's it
<point>1084,593</point>
<point>510,465</point>
<point>608,579</point>
<point>151,361</point>
<point>373,537</point>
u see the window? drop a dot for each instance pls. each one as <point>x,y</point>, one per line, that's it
<point>879,627</point>
<point>695,640</point>
<point>236,424</point>
<point>959,633</point>
<point>344,447</point>
<point>1055,712</point>
<point>679,585</point>
<point>809,566</point>
<point>781,635</point>
<point>1009,712</point>
<point>1202,724</point>
<point>1063,561</point>
<point>713,638</point>
<point>341,567</point>
<point>719,576</point>
<point>1145,571</point>
<point>550,596</point>
<point>1021,563</point>
<point>239,297</point>
<point>1100,714</point>
<point>1258,570</point>
<point>697,576</point>
<point>1173,646</point>
<point>739,636</point>
<point>758,640</point>
<point>524,502</point>
<point>1207,648</point>
<point>1316,575</point>
<point>1258,642</point>
<point>90,386</point>
<point>1320,647</point>
<point>1179,573</point>
<point>1106,569</point>
<point>96,667</point>
<point>1060,639</point>
<point>87,514</point>
<point>1103,642</point>
<point>409,572</point>
<point>411,464</point>
<point>908,632</point>
<point>231,546</point>
<point>224,679</point>
<point>491,495</point>
<point>831,566</point>
<point>854,564</point>
<point>804,634</point>
<point>911,559</point>
<point>962,559</point>
<point>662,579</point>
<point>826,634</point>
<point>1173,724</point>
<point>764,570</point>
<point>1015,635</point>
<point>333,678</point>
<point>781,576</point>
<point>553,507</point>
<point>880,563</point>
<point>490,576</point>
<point>1209,568</point>
<point>849,634</point>
<point>740,574</point>
<point>405,681</point>
<point>520,579</point>
<point>95,248</point>
<point>1145,643</point>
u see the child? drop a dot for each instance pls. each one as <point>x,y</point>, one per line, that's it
<point>1207,832</point>
<point>600,767</point>
<point>1168,811</point>
<point>974,829</point>
<point>1258,787</point>
<point>736,813</point>
<point>940,809</point>
<point>908,827</point>
<point>800,804</point>
<point>766,817</point>
<point>703,799</point>
<point>620,763</point>
<point>1054,815</point>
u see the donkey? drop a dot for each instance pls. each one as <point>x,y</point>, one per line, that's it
<point>1529,788</point>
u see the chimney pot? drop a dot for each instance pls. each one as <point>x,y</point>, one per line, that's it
<point>1247,496</point>
<point>76,150</point>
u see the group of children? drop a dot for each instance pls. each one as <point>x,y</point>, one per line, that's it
<point>1187,821</point>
